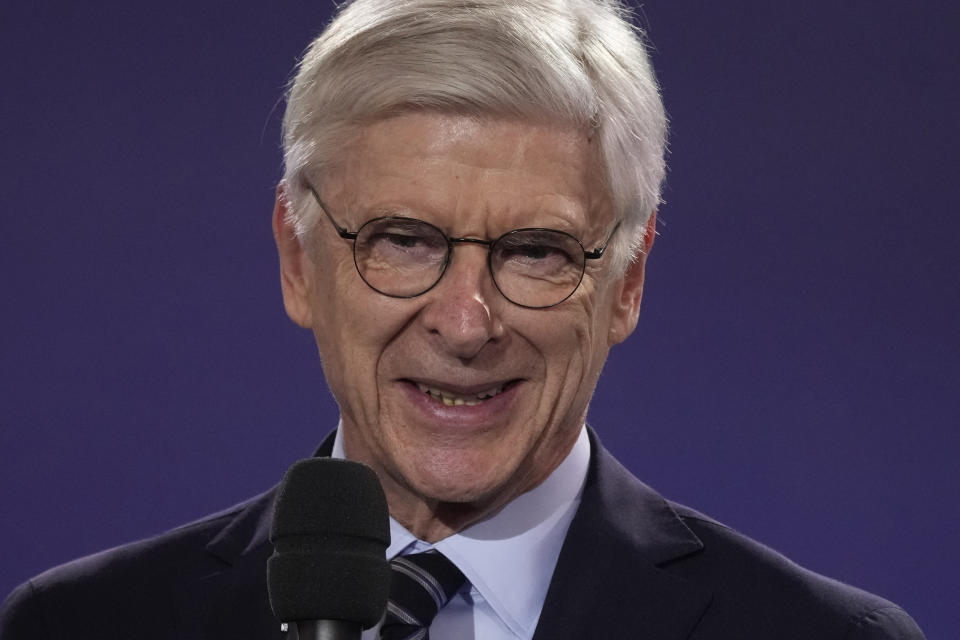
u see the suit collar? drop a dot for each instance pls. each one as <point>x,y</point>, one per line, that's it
<point>610,577</point>
<point>630,510</point>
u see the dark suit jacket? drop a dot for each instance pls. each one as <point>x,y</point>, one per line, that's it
<point>633,566</point>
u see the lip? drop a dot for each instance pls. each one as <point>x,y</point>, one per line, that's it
<point>462,390</point>
<point>431,412</point>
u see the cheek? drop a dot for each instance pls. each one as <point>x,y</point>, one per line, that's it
<point>585,349</point>
<point>585,329</point>
<point>356,329</point>
<point>567,344</point>
<point>351,345</point>
<point>596,331</point>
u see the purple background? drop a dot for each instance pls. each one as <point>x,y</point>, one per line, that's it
<point>795,372</point>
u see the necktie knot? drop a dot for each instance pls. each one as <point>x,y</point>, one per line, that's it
<point>420,585</point>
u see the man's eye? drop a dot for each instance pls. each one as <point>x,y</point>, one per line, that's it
<point>404,241</point>
<point>399,244</point>
<point>535,252</point>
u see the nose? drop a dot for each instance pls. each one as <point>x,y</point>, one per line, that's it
<point>463,312</point>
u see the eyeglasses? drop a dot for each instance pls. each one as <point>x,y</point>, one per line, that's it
<point>404,257</point>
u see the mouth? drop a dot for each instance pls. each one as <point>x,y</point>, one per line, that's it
<point>460,397</point>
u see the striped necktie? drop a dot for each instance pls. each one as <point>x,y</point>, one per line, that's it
<point>420,585</point>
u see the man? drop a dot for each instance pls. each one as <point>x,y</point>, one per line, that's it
<point>464,220</point>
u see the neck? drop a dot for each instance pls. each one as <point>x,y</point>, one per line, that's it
<point>433,523</point>
<point>432,520</point>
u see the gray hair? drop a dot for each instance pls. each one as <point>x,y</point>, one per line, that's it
<point>574,61</point>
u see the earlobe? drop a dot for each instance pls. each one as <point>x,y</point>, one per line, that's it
<point>294,263</point>
<point>626,310</point>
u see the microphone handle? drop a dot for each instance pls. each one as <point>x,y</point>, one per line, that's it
<point>323,630</point>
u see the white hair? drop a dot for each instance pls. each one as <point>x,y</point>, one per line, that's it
<point>574,61</point>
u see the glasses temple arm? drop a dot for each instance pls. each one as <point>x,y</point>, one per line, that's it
<point>341,231</point>
<point>598,253</point>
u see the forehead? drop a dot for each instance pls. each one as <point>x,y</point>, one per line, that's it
<point>455,168</point>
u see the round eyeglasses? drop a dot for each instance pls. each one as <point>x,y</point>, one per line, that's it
<point>404,257</point>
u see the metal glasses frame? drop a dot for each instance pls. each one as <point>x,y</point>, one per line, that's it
<point>596,254</point>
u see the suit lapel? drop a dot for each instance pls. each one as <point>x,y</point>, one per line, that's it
<point>608,581</point>
<point>230,600</point>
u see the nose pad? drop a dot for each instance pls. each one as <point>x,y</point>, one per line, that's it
<point>464,310</point>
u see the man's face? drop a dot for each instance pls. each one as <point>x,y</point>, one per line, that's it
<point>459,396</point>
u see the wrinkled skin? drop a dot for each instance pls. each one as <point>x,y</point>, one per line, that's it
<point>444,467</point>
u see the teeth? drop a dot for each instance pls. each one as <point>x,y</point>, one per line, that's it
<point>451,399</point>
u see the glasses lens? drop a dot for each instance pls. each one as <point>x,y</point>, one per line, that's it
<point>537,267</point>
<point>400,257</point>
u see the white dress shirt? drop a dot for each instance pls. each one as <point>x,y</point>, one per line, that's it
<point>508,558</point>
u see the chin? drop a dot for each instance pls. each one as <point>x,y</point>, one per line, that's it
<point>456,484</point>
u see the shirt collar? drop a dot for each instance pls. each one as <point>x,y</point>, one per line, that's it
<point>510,556</point>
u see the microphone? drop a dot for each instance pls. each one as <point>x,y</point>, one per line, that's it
<point>328,577</point>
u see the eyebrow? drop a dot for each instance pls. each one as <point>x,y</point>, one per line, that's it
<point>561,215</point>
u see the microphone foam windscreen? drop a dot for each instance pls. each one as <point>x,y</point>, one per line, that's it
<point>330,535</point>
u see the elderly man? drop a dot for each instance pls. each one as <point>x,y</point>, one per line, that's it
<point>464,220</point>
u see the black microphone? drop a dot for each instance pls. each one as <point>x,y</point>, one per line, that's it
<point>328,577</point>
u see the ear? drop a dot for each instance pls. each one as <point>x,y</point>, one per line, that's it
<point>626,302</point>
<point>295,266</point>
